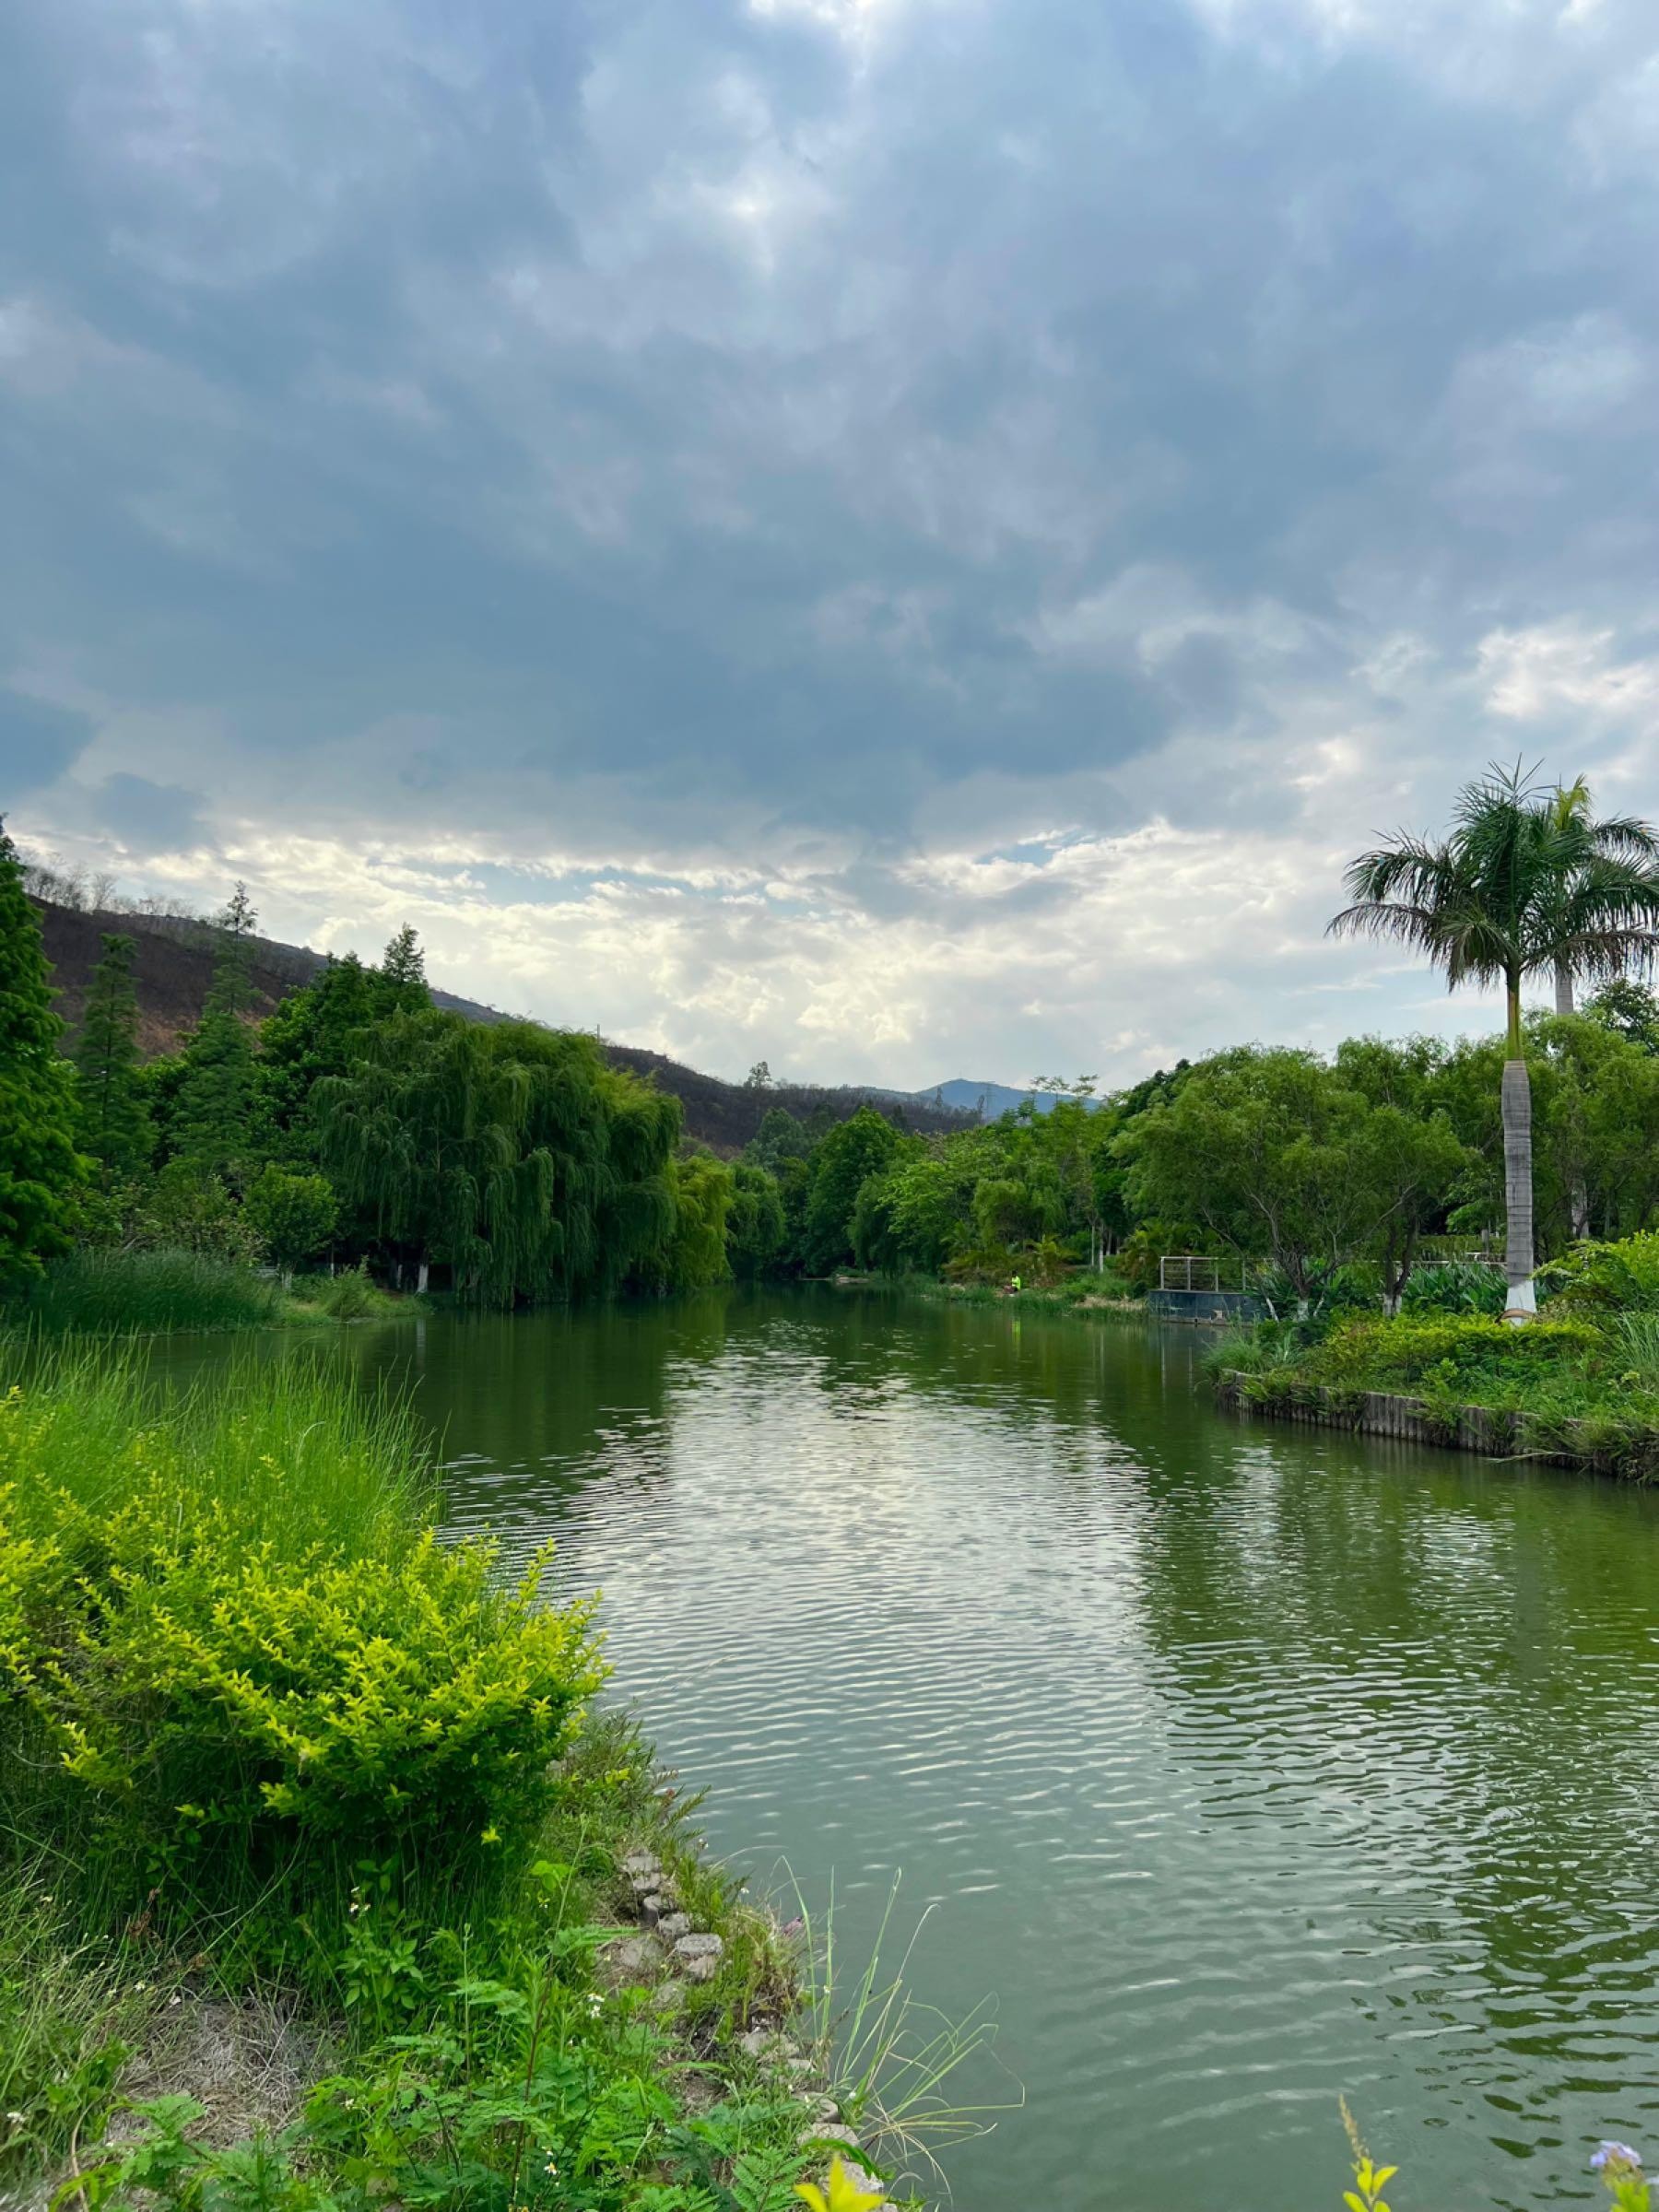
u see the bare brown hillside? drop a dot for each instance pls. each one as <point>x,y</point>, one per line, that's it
<point>175,968</point>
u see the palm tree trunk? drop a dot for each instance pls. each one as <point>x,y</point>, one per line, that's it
<point>1563,988</point>
<point>1518,1169</point>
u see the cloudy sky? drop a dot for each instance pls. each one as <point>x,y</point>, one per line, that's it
<point>902,538</point>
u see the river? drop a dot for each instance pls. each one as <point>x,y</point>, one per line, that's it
<point>1243,1766</point>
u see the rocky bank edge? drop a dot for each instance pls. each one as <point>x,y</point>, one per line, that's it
<point>672,1950</point>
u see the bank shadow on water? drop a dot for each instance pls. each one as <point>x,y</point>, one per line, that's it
<point>1246,1766</point>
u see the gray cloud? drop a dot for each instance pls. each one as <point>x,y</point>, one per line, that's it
<point>798,451</point>
<point>145,815</point>
<point>37,743</point>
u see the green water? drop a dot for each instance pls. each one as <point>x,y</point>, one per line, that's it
<point>1244,1765</point>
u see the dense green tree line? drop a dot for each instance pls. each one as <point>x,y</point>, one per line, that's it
<point>360,1124</point>
<point>1306,1163</point>
<point>356,1124</point>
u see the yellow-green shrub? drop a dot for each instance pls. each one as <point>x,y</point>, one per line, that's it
<point>197,1692</point>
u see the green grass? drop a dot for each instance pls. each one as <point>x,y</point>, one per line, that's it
<point>98,1293</point>
<point>290,1457</point>
<point>64,2018</point>
<point>151,1293</point>
<point>348,1296</point>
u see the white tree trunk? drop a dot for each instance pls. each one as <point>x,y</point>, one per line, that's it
<point>420,1278</point>
<point>1518,1191</point>
<point>1563,988</point>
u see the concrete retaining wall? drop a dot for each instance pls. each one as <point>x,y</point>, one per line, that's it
<point>1633,1456</point>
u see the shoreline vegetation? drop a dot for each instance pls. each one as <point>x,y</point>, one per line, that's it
<point>139,1294</point>
<point>318,1851</point>
<point>1577,1388</point>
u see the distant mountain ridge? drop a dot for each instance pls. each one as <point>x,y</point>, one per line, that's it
<point>989,1100</point>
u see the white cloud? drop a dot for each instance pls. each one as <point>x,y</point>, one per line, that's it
<point>1528,674</point>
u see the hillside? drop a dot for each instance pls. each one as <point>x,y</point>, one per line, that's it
<point>174,967</point>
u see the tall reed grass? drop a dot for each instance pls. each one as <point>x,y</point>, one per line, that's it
<point>102,1293</point>
<point>289,1457</point>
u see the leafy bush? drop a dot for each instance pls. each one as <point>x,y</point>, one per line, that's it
<point>187,1208</point>
<point>1596,1277</point>
<point>293,1216</point>
<point>205,1693</point>
<point>1455,1286</point>
<point>348,1296</point>
<point>1401,1353</point>
<point>211,1682</point>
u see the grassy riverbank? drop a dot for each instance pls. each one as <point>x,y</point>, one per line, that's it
<point>308,1829</point>
<point>1579,1387</point>
<point>150,1293</point>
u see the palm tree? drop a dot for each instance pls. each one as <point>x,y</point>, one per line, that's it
<point>1618,838</point>
<point>1525,885</point>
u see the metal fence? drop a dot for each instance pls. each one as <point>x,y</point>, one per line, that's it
<point>1487,1248</point>
<point>1199,1271</point>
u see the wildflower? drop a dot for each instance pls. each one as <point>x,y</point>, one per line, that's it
<point>1613,2154</point>
<point>491,1835</point>
<point>551,2166</point>
<point>843,2195</point>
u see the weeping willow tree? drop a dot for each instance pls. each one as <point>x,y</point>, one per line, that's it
<point>515,1156</point>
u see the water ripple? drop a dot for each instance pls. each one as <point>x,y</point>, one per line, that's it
<point>1250,1767</point>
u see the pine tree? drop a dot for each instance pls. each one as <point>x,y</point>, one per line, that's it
<point>315,1032</point>
<point>40,1168</point>
<point>403,972</point>
<point>214,1116</point>
<point>114,1125</point>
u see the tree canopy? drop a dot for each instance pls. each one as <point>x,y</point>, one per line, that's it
<point>40,1170</point>
<point>112,1118</point>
